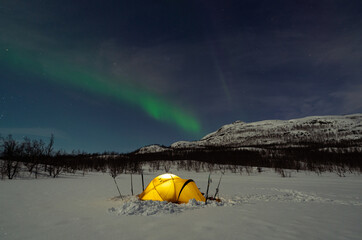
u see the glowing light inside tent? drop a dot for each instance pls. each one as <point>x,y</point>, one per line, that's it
<point>171,188</point>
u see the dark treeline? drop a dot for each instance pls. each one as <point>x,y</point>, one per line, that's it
<point>306,157</point>
<point>35,157</point>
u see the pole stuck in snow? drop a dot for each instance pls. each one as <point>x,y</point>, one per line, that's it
<point>207,189</point>
<point>217,188</point>
<point>117,188</point>
<point>131,185</point>
<point>143,184</point>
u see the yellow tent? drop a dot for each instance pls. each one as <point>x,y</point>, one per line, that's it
<point>171,188</point>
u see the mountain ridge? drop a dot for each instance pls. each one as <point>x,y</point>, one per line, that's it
<point>331,129</point>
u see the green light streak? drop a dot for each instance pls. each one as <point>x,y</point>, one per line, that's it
<point>62,73</point>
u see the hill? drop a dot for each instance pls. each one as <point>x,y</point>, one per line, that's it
<point>344,132</point>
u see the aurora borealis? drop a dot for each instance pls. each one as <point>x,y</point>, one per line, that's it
<point>60,72</point>
<point>119,75</point>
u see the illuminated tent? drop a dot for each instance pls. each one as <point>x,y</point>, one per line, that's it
<point>171,188</point>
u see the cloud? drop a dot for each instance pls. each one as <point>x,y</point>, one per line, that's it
<point>351,99</point>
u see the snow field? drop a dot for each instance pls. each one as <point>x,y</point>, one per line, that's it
<point>259,206</point>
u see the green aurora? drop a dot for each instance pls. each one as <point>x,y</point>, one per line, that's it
<point>61,72</point>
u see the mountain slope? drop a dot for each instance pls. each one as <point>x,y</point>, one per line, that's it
<point>316,129</point>
<point>318,143</point>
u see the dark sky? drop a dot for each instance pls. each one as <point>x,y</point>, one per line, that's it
<point>118,75</point>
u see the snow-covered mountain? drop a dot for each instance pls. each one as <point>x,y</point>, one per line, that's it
<point>282,132</point>
<point>154,148</point>
<point>325,130</point>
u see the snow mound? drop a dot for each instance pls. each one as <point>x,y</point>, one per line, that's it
<point>131,205</point>
<point>134,206</point>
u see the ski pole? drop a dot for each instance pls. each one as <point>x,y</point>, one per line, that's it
<point>207,189</point>
<point>217,188</point>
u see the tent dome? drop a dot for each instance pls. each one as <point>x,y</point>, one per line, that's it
<point>171,188</point>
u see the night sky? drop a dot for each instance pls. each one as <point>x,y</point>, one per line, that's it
<point>118,75</point>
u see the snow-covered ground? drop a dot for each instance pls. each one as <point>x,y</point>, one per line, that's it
<point>259,206</point>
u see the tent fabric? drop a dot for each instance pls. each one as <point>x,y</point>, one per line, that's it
<point>171,188</point>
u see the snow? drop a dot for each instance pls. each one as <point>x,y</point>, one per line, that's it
<point>240,134</point>
<point>256,206</point>
<point>151,149</point>
<point>134,206</point>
